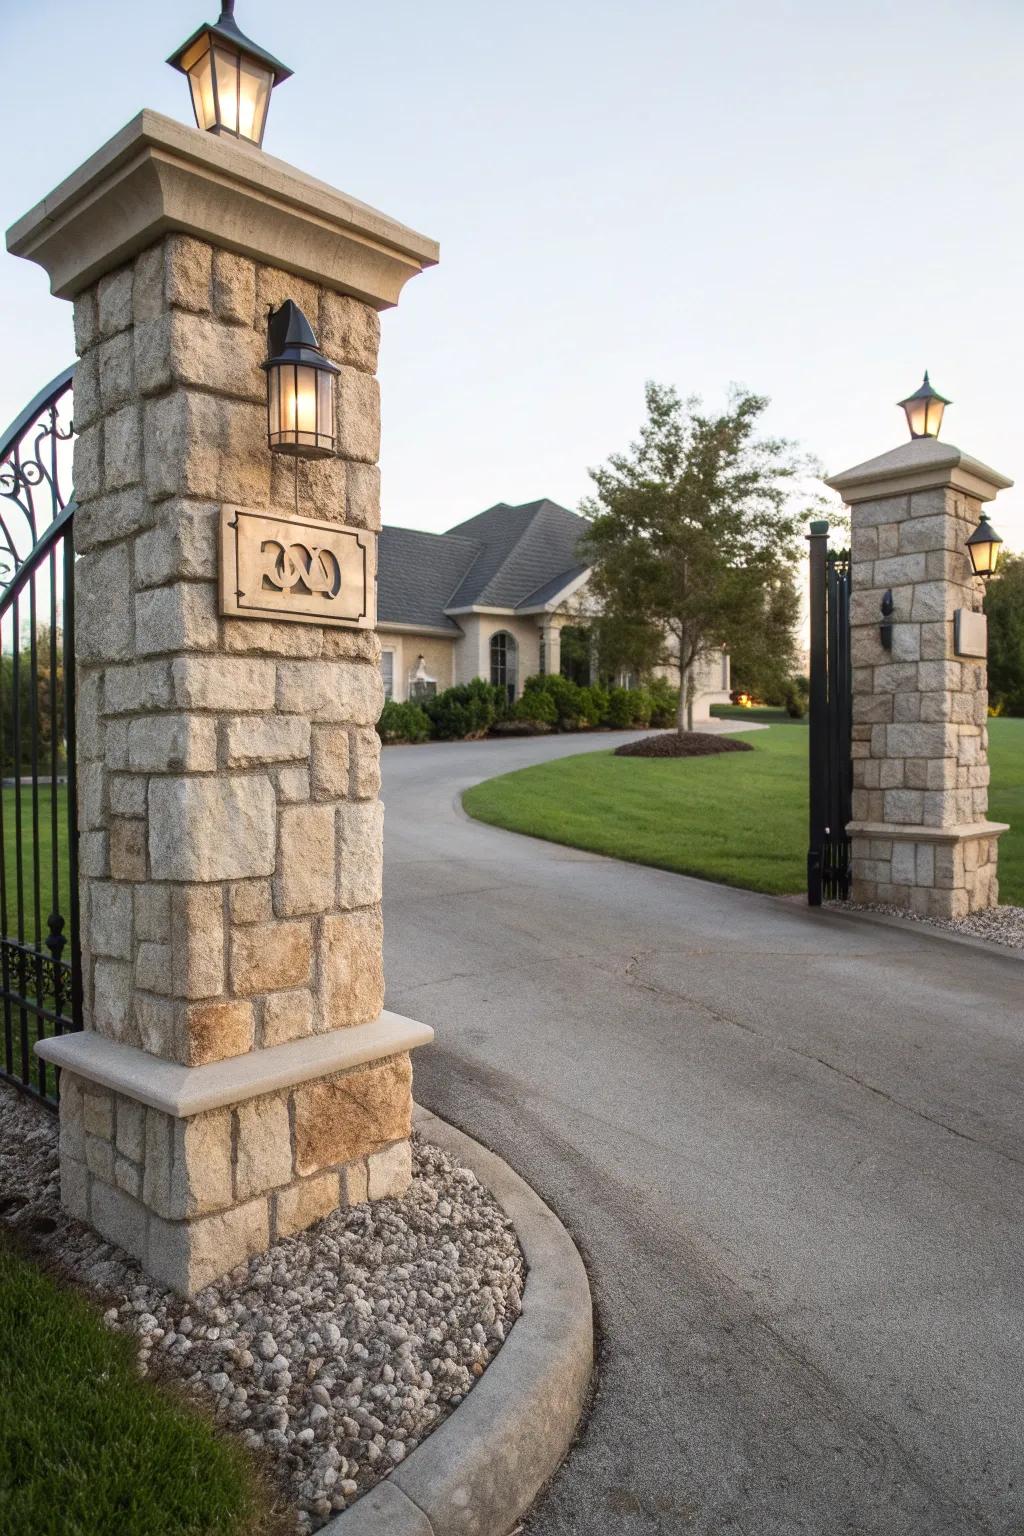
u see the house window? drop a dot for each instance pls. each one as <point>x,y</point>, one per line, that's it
<point>387,672</point>
<point>504,662</point>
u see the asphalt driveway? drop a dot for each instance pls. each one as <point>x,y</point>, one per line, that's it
<point>789,1146</point>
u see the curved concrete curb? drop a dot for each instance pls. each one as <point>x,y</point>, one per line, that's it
<point>478,1473</point>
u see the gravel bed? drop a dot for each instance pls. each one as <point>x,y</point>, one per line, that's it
<point>999,925</point>
<point>690,744</point>
<point>335,1353</point>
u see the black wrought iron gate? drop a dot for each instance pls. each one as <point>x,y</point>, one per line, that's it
<point>40,966</point>
<point>831,768</point>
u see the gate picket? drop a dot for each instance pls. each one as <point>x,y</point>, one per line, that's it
<point>831,708</point>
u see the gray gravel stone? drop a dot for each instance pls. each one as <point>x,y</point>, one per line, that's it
<point>335,1353</point>
<point>999,925</point>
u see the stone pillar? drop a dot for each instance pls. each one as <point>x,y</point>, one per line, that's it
<point>920,830</point>
<point>551,635</point>
<point>237,1077</point>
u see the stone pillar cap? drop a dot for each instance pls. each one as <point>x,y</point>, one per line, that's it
<point>157,175</point>
<point>922,464</point>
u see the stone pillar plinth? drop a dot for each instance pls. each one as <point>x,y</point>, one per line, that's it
<point>237,1078</point>
<point>921,837</point>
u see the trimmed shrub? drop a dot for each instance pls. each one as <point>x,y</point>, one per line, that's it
<point>664,702</point>
<point>402,722</point>
<point>467,710</point>
<point>619,714</point>
<point>537,707</point>
<point>594,701</point>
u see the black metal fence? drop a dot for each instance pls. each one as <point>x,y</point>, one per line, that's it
<point>40,960</point>
<point>831,717</point>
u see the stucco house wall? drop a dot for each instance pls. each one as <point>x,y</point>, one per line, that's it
<point>473,653</point>
<point>406,648</point>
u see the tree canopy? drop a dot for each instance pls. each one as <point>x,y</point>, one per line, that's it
<point>694,530</point>
<point>1004,606</point>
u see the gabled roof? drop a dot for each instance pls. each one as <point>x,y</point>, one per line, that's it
<point>417,574</point>
<point>524,549</point>
<point>506,557</point>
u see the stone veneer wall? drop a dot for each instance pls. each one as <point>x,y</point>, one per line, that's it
<point>228,769</point>
<point>920,712</point>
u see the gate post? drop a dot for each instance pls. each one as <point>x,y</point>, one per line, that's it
<point>236,1078</point>
<point>818,713</point>
<point>921,838</point>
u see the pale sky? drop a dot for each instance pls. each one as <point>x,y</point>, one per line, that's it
<point>814,199</point>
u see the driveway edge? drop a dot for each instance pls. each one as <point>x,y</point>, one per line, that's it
<point>482,1469</point>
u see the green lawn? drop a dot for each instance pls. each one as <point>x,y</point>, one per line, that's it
<point>10,821</point>
<point>89,1449</point>
<point>740,818</point>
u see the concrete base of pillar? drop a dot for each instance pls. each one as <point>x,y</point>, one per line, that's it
<point>195,1170</point>
<point>930,871</point>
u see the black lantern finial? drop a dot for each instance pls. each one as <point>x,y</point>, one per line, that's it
<point>924,410</point>
<point>230,77</point>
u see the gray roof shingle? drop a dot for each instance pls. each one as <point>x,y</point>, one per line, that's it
<point>505,557</point>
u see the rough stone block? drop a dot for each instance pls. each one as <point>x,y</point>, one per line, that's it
<point>197,940</point>
<point>188,272</point>
<point>201,1170</point>
<point>153,968</point>
<point>113,363</point>
<point>287,1016</point>
<point>389,1171</point>
<point>360,853</point>
<point>253,637</point>
<point>99,1158</point>
<point>157,1020</point>
<point>122,449</point>
<point>264,1146</point>
<point>292,785</point>
<point>127,851</point>
<point>250,902</point>
<point>269,957</point>
<point>329,765</point>
<point>365,755</point>
<point>210,829</point>
<point>74,1187</point>
<point>328,691</point>
<point>172,743</point>
<point>250,740</point>
<point>189,1255</point>
<point>362,496</point>
<point>87,463</point>
<point>305,878</point>
<point>112,999</point>
<point>217,682</point>
<point>349,331</point>
<point>183,433</point>
<point>353,645</point>
<point>86,320</point>
<point>110,920</point>
<point>244,468</point>
<point>114,294</point>
<point>355,1187</point>
<point>351,969</point>
<point>118,1218</point>
<point>300,1205</point>
<point>184,545</point>
<point>128,1177</point>
<point>903,806</point>
<point>933,600</point>
<point>340,1119</point>
<point>98,1111</point>
<point>140,685</point>
<point>103,606</point>
<point>216,1031</point>
<point>234,288</point>
<point>182,617</point>
<point>358,404</point>
<point>131,1128</point>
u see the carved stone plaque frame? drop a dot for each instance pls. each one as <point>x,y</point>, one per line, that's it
<point>296,570</point>
<point>970,633</point>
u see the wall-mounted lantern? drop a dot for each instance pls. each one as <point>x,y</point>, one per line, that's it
<point>300,387</point>
<point>885,628</point>
<point>230,77</point>
<point>924,410</point>
<point>983,548</point>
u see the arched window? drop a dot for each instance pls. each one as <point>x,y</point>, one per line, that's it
<point>504,662</point>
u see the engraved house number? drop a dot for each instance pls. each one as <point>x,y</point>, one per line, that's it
<point>296,569</point>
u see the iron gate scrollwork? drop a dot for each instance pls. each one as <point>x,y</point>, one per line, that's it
<point>40,959</point>
<point>831,722</point>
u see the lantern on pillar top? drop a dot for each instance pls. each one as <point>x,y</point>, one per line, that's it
<point>230,77</point>
<point>924,410</point>
<point>300,387</point>
<point>983,548</point>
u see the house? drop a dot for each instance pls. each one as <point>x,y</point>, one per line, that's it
<point>491,598</point>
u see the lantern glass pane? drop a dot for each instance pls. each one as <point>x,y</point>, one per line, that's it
<point>200,79</point>
<point>325,409</point>
<point>917,417</point>
<point>254,82</point>
<point>225,64</point>
<point>274,405</point>
<point>933,419</point>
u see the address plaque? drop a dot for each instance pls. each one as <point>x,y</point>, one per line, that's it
<point>296,569</point>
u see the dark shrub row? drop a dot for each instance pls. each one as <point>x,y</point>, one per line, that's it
<point>474,709</point>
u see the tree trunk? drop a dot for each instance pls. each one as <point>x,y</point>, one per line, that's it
<point>681,706</point>
<point>684,712</point>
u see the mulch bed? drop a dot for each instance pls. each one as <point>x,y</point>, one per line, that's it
<point>692,744</point>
